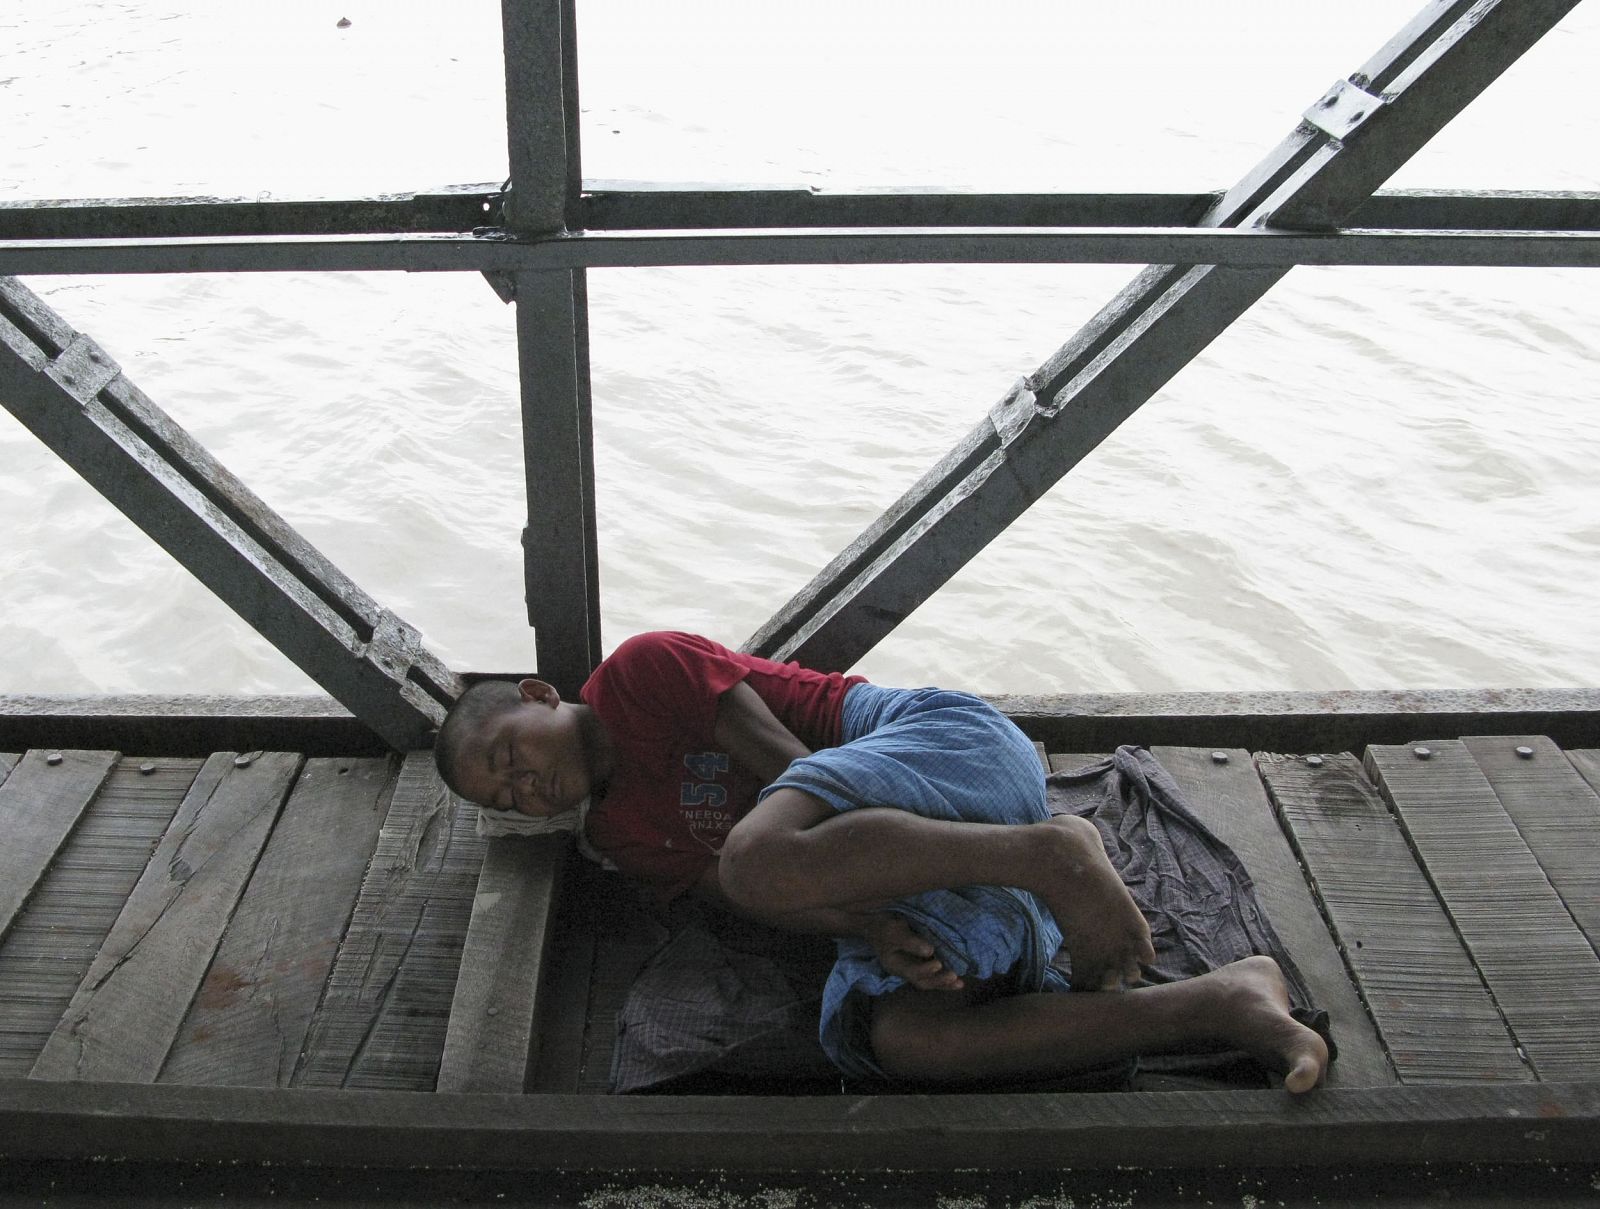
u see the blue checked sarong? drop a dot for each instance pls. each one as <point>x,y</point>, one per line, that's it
<point>942,755</point>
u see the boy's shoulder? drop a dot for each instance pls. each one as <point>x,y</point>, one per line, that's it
<point>669,675</point>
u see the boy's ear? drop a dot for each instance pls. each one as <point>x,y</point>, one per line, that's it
<point>537,692</point>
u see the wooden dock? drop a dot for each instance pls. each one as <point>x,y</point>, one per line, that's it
<point>247,957</point>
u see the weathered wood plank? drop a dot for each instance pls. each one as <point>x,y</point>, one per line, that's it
<point>61,928</point>
<point>492,1038</point>
<point>1432,1009</point>
<point>1587,762</point>
<point>1538,965</point>
<point>1555,811</point>
<point>41,801</point>
<point>1229,798</point>
<point>249,1019</point>
<point>1511,1123</point>
<point>126,1012</point>
<point>383,1016</point>
<point>1068,761</point>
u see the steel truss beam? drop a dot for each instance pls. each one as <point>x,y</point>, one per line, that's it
<point>74,398</point>
<point>608,207</point>
<point>559,255</point>
<point>1347,144</point>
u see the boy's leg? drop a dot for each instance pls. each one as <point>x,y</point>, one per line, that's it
<point>943,1036</point>
<point>795,853</point>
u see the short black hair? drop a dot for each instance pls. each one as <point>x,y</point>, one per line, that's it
<point>472,712</point>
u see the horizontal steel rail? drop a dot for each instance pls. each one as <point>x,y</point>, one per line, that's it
<point>623,206</point>
<point>429,253</point>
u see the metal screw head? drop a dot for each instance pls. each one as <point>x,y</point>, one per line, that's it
<point>1219,757</point>
<point>1525,752</point>
<point>241,761</point>
<point>1314,761</point>
<point>146,769</point>
<point>54,758</point>
<point>1422,753</point>
<point>494,1011</point>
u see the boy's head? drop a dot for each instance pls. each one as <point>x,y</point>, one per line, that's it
<point>515,747</point>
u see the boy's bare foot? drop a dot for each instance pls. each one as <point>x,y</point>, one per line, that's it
<point>1100,923</point>
<point>1252,1005</point>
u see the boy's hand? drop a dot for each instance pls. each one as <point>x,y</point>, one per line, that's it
<point>908,955</point>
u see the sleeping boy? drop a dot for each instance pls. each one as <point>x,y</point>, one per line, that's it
<point>911,825</point>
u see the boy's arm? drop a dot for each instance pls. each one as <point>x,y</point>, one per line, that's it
<point>899,948</point>
<point>752,734</point>
<point>755,738</point>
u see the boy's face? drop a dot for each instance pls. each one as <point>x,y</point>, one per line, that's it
<point>530,758</point>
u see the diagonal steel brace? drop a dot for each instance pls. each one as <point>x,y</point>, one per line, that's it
<point>1347,144</point>
<point>73,397</point>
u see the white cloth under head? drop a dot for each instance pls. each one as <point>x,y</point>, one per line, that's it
<point>510,822</point>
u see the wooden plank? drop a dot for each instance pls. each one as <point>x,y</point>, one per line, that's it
<point>1044,756</point>
<point>1070,761</point>
<point>1556,813</point>
<point>1537,964</point>
<point>1587,762</point>
<point>8,761</point>
<point>249,1019</point>
<point>383,1016</point>
<point>41,801</point>
<point>1432,1009</point>
<point>606,1135</point>
<point>1229,798</point>
<point>492,1039</point>
<point>58,933</point>
<point>1340,720</point>
<point>124,1015</point>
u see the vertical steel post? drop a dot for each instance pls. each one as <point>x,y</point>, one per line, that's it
<point>560,549</point>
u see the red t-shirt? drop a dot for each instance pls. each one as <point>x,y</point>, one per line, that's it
<point>674,793</point>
